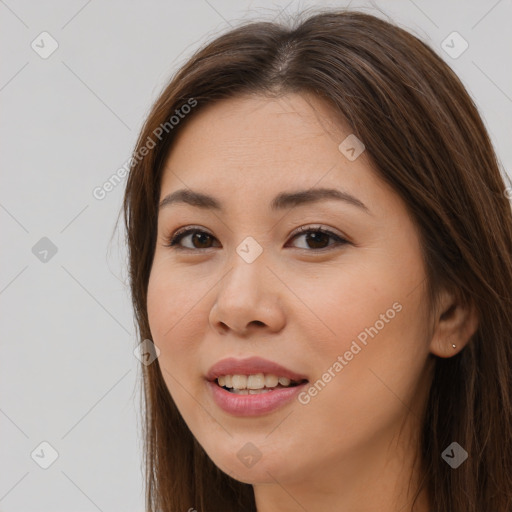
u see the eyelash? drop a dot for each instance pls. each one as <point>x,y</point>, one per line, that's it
<point>173,241</point>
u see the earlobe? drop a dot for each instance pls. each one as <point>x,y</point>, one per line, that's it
<point>454,327</point>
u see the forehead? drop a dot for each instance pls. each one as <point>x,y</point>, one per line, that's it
<point>247,150</point>
<point>253,139</point>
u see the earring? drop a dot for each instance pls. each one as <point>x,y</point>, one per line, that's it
<point>454,346</point>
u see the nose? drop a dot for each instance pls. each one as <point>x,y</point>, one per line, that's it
<point>248,300</point>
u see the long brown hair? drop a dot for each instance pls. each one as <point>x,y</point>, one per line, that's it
<point>425,137</point>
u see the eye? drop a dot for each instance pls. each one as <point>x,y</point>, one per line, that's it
<point>197,235</point>
<point>316,236</point>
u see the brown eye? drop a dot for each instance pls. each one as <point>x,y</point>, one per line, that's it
<point>199,239</point>
<point>316,238</point>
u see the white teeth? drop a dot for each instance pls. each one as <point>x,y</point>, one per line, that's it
<point>271,381</point>
<point>257,382</point>
<point>239,381</point>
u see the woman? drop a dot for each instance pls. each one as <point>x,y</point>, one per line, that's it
<point>319,243</point>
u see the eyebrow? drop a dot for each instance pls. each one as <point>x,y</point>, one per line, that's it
<point>282,201</point>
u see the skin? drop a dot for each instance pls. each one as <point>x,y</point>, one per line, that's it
<point>298,305</point>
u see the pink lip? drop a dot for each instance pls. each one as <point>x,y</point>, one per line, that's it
<point>249,366</point>
<point>251,405</point>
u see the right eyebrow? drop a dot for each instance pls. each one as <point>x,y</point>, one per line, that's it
<point>282,201</point>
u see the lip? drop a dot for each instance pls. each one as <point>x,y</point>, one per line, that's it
<point>252,405</point>
<point>250,366</point>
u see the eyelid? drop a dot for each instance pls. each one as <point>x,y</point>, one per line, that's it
<point>317,227</point>
<point>173,240</point>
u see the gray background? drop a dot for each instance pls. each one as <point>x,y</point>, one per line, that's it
<point>68,375</point>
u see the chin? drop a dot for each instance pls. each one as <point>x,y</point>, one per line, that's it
<point>263,470</point>
<point>258,474</point>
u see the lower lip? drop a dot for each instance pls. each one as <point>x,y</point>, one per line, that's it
<point>253,405</point>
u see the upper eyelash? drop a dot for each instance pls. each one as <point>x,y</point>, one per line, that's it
<point>173,241</point>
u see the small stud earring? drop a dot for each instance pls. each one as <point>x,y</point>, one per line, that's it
<point>454,346</point>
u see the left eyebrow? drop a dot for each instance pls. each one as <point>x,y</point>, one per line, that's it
<point>282,201</point>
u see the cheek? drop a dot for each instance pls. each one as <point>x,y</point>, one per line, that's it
<point>173,300</point>
<point>173,324</point>
<point>342,301</point>
<point>172,314</point>
<point>369,318</point>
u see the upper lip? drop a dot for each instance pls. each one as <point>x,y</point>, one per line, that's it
<point>250,366</point>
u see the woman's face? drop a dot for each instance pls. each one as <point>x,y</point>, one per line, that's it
<point>349,317</point>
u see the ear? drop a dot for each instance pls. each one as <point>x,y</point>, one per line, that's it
<point>454,324</point>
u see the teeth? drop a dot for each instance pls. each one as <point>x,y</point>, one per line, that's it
<point>250,391</point>
<point>271,381</point>
<point>242,391</point>
<point>239,382</point>
<point>258,382</point>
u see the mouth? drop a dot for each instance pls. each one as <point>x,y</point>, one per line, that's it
<point>253,369</point>
<point>255,384</point>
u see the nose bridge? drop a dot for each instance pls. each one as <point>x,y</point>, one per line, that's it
<point>248,266</point>
<point>247,293</point>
